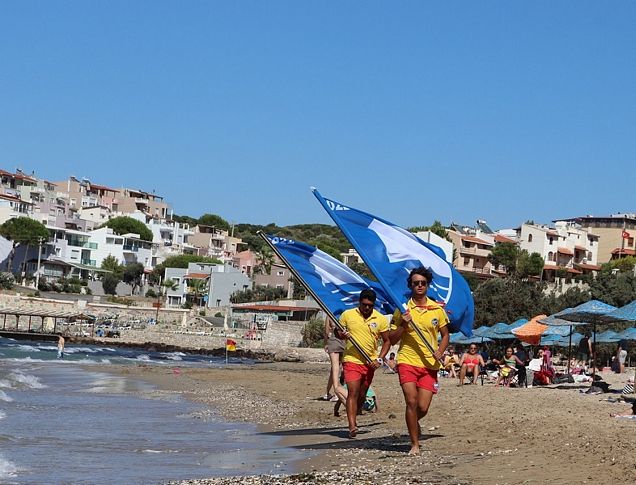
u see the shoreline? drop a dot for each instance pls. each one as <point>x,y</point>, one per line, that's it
<point>473,434</point>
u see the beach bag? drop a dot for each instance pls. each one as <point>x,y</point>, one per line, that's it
<point>628,389</point>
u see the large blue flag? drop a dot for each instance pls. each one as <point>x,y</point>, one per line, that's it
<point>391,253</point>
<point>333,282</point>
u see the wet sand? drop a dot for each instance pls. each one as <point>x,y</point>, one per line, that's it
<point>473,435</point>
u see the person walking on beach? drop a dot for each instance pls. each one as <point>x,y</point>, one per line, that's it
<point>417,366</point>
<point>334,348</point>
<point>365,325</point>
<point>60,347</point>
<point>585,351</point>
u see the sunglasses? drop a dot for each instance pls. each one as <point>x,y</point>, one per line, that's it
<point>420,283</point>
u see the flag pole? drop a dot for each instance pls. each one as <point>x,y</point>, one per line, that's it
<point>396,301</point>
<point>322,306</point>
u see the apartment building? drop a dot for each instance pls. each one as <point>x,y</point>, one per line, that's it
<point>170,238</point>
<point>127,248</point>
<point>472,246</point>
<point>132,200</point>
<point>616,234</point>
<point>566,247</point>
<point>83,193</point>
<point>220,281</point>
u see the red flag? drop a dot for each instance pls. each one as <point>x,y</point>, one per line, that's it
<point>230,345</point>
<point>626,235</point>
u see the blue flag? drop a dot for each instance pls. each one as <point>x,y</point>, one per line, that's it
<point>391,253</point>
<point>337,285</point>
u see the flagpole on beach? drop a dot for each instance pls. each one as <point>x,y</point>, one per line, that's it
<point>322,306</point>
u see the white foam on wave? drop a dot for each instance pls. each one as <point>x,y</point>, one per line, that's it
<point>3,415</point>
<point>80,350</point>
<point>27,348</point>
<point>173,355</point>
<point>7,468</point>
<point>27,380</point>
<point>6,384</point>
<point>4,397</point>
<point>143,357</point>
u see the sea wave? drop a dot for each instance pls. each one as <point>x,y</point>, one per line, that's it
<point>7,468</point>
<point>27,380</point>
<point>4,397</point>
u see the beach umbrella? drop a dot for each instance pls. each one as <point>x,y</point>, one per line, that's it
<point>590,311</point>
<point>531,332</point>
<point>518,323</point>
<point>559,325</point>
<point>608,336</point>
<point>628,334</point>
<point>481,331</point>
<point>460,338</point>
<point>625,313</point>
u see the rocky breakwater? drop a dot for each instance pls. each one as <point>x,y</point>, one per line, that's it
<point>165,340</point>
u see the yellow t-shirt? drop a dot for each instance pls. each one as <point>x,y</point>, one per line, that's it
<point>429,319</point>
<point>365,331</point>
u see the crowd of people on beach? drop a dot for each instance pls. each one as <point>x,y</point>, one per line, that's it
<point>424,355</point>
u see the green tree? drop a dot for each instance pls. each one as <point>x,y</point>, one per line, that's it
<point>363,270</point>
<point>265,259</point>
<point>508,299</point>
<point>191,221</point>
<point>313,333</point>
<point>110,263</point>
<point>132,275</point>
<point>178,261</point>
<point>529,264</point>
<point>109,283</point>
<point>128,225</point>
<point>504,254</point>
<point>436,228</point>
<point>23,231</point>
<point>199,288</point>
<point>615,289</point>
<point>214,221</point>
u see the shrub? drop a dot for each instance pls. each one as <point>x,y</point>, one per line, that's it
<point>218,314</point>
<point>109,283</point>
<point>187,305</point>
<point>313,333</point>
<point>151,293</point>
<point>202,313</point>
<point>6,281</point>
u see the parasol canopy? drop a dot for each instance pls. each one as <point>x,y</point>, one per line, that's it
<point>585,312</point>
<point>625,313</point>
<point>531,332</point>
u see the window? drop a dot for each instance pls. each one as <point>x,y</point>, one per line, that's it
<point>630,241</point>
<point>589,255</point>
<point>529,237</point>
<point>550,256</point>
<point>551,240</point>
<point>280,273</point>
<point>466,261</point>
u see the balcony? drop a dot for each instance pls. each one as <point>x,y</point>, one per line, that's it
<point>475,251</point>
<point>89,262</point>
<point>131,248</point>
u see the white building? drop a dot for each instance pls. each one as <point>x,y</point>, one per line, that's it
<point>566,247</point>
<point>127,248</point>
<point>170,238</point>
<point>440,242</point>
<point>220,282</point>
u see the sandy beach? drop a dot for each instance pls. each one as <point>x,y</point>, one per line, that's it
<point>473,434</point>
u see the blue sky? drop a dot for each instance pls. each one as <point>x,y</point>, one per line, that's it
<point>413,111</point>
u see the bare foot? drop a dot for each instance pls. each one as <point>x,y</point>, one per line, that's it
<point>415,450</point>
<point>353,432</point>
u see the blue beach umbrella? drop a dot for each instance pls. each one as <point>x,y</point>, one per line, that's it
<point>608,336</point>
<point>625,313</point>
<point>628,334</point>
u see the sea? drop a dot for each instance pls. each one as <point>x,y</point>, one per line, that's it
<point>63,424</point>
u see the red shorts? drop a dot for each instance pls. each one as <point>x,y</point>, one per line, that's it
<point>358,372</point>
<point>423,377</point>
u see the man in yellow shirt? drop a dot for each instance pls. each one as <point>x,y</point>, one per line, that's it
<point>417,365</point>
<point>365,325</point>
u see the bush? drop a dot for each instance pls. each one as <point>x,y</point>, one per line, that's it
<point>151,293</point>
<point>44,286</point>
<point>121,300</point>
<point>218,314</point>
<point>109,283</point>
<point>313,333</point>
<point>6,281</point>
<point>187,305</point>
<point>202,313</point>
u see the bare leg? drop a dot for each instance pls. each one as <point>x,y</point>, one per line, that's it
<point>417,403</point>
<point>340,391</point>
<point>462,375</point>
<point>475,374</point>
<point>353,396</point>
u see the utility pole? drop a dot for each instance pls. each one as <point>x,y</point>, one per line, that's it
<point>37,273</point>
